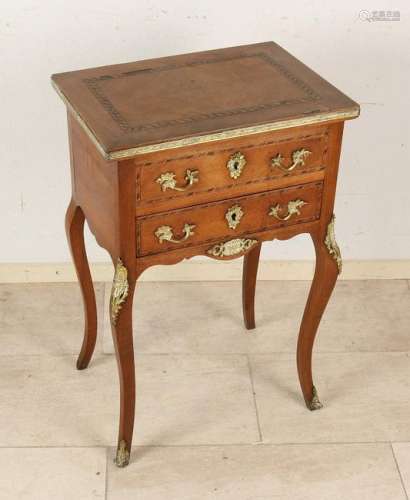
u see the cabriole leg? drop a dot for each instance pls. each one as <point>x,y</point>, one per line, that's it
<point>328,267</point>
<point>121,325</point>
<point>74,224</point>
<point>249,273</point>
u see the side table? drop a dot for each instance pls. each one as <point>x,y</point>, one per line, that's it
<point>208,153</point>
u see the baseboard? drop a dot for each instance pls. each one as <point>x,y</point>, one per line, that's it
<point>207,270</point>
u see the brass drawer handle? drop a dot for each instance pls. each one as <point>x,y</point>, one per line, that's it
<point>298,158</point>
<point>166,233</point>
<point>236,164</point>
<point>167,180</point>
<point>293,209</point>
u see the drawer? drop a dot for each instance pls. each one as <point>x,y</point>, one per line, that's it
<point>248,165</point>
<point>229,218</point>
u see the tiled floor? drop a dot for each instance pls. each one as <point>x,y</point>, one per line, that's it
<point>219,410</point>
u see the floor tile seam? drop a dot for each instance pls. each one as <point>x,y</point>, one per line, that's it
<point>399,471</point>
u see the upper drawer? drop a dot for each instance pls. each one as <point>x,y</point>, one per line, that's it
<point>243,166</point>
<point>228,219</point>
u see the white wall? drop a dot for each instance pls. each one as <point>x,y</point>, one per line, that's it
<point>368,61</point>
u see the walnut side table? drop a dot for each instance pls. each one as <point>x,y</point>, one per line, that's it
<point>208,153</point>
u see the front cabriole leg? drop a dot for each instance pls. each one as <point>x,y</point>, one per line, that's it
<point>328,267</point>
<point>121,325</point>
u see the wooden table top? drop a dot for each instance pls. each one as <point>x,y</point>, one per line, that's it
<point>173,101</point>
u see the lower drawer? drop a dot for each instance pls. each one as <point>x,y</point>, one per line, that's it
<point>229,218</point>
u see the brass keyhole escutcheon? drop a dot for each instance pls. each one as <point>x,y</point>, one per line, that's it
<point>234,216</point>
<point>236,164</point>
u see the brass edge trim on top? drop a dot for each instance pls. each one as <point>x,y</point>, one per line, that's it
<point>190,141</point>
<point>229,134</point>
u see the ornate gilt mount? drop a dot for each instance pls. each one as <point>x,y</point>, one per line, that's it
<point>166,233</point>
<point>122,458</point>
<point>292,209</point>
<point>298,159</point>
<point>331,244</point>
<point>233,216</point>
<point>119,291</point>
<point>167,180</point>
<point>314,403</point>
<point>236,164</point>
<point>232,247</point>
